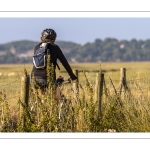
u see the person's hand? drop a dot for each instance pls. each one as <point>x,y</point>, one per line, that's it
<point>73,79</point>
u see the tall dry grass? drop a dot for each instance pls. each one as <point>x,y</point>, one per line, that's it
<point>125,111</point>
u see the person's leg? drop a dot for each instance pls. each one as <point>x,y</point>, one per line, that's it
<point>58,93</point>
<point>43,84</point>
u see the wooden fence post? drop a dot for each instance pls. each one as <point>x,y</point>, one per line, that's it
<point>3,109</point>
<point>25,81</point>
<point>96,87</point>
<point>123,76</point>
<point>76,86</point>
<point>77,83</point>
<point>123,83</point>
<point>100,94</point>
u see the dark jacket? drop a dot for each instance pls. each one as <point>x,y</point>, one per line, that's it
<point>56,53</point>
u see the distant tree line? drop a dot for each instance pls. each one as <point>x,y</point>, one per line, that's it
<point>107,50</point>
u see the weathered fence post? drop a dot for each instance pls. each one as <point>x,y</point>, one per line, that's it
<point>100,94</point>
<point>123,83</point>
<point>25,81</point>
<point>96,87</point>
<point>123,76</point>
<point>76,85</point>
<point>3,109</point>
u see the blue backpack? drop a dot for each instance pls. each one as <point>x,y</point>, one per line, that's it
<point>40,56</point>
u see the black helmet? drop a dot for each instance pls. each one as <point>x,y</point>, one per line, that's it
<point>49,34</point>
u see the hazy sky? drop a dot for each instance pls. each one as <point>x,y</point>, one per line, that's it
<point>78,30</point>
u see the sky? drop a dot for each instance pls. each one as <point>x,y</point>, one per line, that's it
<point>74,29</point>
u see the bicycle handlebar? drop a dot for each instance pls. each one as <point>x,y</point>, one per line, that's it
<point>66,81</point>
<point>61,80</point>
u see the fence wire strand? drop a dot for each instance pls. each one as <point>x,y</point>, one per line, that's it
<point>11,85</point>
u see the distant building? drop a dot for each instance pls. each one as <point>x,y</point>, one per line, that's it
<point>122,46</point>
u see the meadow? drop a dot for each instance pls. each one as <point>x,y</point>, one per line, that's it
<point>122,109</point>
<point>106,67</point>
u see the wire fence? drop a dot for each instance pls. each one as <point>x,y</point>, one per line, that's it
<point>135,84</point>
<point>10,87</point>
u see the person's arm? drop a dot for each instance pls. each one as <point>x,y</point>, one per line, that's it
<point>66,65</point>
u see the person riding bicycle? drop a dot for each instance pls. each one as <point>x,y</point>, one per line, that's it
<point>49,36</point>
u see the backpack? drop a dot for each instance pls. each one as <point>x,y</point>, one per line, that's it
<point>40,56</point>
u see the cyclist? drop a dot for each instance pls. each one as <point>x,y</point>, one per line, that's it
<point>49,36</point>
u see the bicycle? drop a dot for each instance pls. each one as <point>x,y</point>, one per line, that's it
<point>63,109</point>
<point>62,100</point>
